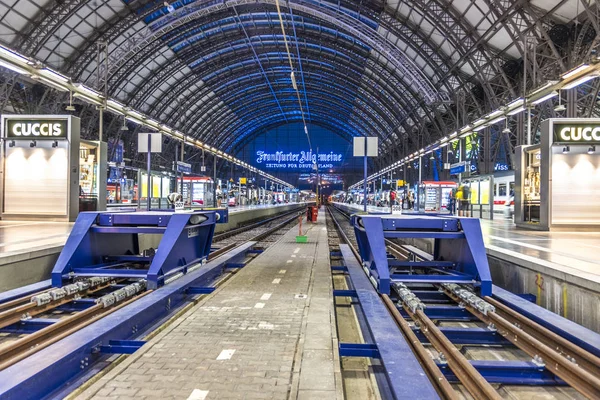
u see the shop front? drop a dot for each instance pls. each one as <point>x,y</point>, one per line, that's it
<point>558,181</point>
<point>162,184</point>
<point>92,175</point>
<point>197,191</point>
<point>40,169</point>
<point>434,196</point>
<point>122,186</point>
<point>480,199</point>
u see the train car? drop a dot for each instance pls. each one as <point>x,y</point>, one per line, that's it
<point>504,188</point>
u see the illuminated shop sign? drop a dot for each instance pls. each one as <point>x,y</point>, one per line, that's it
<point>302,160</point>
<point>576,133</point>
<point>38,129</point>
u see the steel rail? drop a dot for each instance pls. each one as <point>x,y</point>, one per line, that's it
<point>256,238</point>
<point>436,376</point>
<point>475,383</point>
<point>236,231</point>
<point>29,309</point>
<point>569,371</point>
<point>43,338</point>
<point>433,371</point>
<point>19,301</point>
<point>584,358</point>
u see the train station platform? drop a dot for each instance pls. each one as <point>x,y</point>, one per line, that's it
<point>267,333</point>
<point>29,249</point>
<point>560,268</point>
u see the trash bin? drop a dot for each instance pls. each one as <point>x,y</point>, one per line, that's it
<point>311,214</point>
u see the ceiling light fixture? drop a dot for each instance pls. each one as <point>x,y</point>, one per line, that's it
<point>581,80</point>
<point>70,107</point>
<point>545,97</point>
<point>592,149</point>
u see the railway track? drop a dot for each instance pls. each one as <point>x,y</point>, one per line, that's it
<point>33,322</point>
<point>452,367</point>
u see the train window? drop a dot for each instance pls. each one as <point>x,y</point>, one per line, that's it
<point>502,189</point>
<point>512,188</point>
<point>495,190</point>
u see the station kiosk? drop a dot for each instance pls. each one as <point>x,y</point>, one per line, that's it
<point>41,171</point>
<point>556,179</point>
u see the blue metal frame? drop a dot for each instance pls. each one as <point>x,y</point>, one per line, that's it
<point>49,369</point>
<point>459,252</point>
<point>24,291</point>
<point>101,242</point>
<point>509,373</point>
<point>405,376</point>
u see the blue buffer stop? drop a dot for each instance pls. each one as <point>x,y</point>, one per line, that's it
<point>459,254</point>
<point>108,244</point>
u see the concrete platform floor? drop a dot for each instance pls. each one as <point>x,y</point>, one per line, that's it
<point>267,333</point>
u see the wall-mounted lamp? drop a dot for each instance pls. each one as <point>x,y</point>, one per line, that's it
<point>33,143</point>
<point>11,143</point>
<point>566,149</point>
<point>592,149</point>
<point>55,144</point>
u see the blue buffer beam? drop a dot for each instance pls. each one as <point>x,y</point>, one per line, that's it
<point>107,244</point>
<point>458,257</point>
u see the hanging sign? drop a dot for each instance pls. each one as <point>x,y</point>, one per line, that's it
<point>184,167</point>
<point>458,168</point>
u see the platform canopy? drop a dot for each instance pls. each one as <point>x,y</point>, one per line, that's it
<point>219,69</point>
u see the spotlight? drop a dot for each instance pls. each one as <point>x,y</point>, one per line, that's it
<point>33,143</point>
<point>11,143</point>
<point>506,131</point>
<point>55,144</point>
<point>566,149</point>
<point>432,157</point>
<point>592,149</point>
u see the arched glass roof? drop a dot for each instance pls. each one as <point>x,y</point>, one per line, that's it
<point>218,70</point>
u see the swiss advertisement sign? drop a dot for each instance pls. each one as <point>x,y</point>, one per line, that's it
<point>36,128</point>
<point>576,132</point>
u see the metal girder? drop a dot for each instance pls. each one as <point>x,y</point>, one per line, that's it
<point>407,70</point>
<point>191,101</point>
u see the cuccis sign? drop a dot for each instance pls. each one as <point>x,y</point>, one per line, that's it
<point>576,133</point>
<point>36,129</point>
